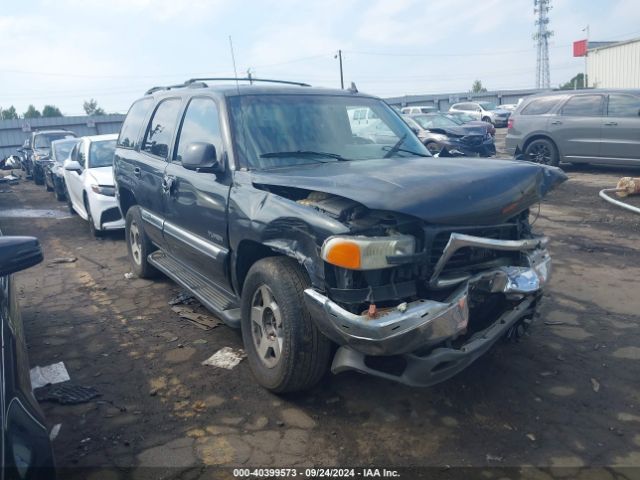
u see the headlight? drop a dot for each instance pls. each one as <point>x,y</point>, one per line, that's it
<point>108,190</point>
<point>366,253</point>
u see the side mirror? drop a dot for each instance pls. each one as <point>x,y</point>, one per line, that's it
<point>201,156</point>
<point>72,166</point>
<point>18,253</point>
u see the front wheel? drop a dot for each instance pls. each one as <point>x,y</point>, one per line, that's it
<point>542,151</point>
<point>37,178</point>
<point>285,349</point>
<point>433,148</point>
<point>92,226</point>
<point>139,246</point>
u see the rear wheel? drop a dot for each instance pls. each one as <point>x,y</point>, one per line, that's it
<point>69,204</point>
<point>285,350</point>
<point>487,119</point>
<point>433,147</point>
<point>139,245</point>
<point>37,178</point>
<point>542,151</point>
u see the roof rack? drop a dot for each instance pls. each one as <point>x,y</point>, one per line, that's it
<point>200,83</point>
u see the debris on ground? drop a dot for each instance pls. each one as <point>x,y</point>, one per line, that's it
<point>67,394</point>
<point>199,341</point>
<point>554,322</point>
<point>49,375</point>
<point>595,384</point>
<point>129,275</point>
<point>53,434</point>
<point>181,298</point>
<point>493,458</point>
<point>200,320</point>
<point>10,179</point>
<point>226,357</point>
<point>531,437</point>
<point>59,260</point>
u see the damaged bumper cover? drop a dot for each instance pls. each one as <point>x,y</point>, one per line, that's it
<point>425,323</point>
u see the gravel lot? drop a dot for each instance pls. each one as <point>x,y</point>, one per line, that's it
<point>567,395</point>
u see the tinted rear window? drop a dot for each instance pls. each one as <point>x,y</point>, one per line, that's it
<point>540,106</point>
<point>583,106</point>
<point>130,131</point>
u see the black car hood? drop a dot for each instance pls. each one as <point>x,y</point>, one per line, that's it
<point>457,191</point>
<point>463,130</point>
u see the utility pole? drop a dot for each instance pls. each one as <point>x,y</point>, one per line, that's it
<point>339,57</point>
<point>586,55</point>
<point>541,9</point>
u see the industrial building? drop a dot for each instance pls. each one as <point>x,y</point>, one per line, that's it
<point>613,64</point>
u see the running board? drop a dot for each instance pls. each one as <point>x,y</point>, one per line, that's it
<point>213,298</point>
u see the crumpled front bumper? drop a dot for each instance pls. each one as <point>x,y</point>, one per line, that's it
<point>424,323</point>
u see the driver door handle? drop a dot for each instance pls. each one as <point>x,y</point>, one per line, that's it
<point>611,124</point>
<point>556,122</point>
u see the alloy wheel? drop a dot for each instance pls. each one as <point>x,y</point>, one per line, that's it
<point>266,326</point>
<point>540,153</point>
<point>135,242</point>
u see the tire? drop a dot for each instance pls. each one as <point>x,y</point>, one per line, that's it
<point>69,204</point>
<point>46,185</point>
<point>542,151</point>
<point>61,197</point>
<point>37,179</point>
<point>92,226</point>
<point>433,147</point>
<point>303,352</point>
<point>487,119</point>
<point>139,246</point>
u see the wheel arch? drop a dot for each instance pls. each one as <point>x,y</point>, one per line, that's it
<point>541,136</point>
<point>126,200</point>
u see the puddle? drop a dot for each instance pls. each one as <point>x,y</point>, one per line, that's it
<point>33,213</point>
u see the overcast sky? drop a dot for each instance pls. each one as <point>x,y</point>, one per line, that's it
<point>62,52</point>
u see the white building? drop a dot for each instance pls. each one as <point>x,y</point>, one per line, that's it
<point>614,65</point>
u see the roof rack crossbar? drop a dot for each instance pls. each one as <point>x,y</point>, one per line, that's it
<point>245,79</point>
<point>168,87</point>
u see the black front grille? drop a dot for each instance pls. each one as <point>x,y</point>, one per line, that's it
<point>110,215</point>
<point>472,139</point>
<point>468,257</point>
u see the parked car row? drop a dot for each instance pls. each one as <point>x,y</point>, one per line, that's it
<point>489,112</point>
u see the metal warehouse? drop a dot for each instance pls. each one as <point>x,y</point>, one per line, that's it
<point>14,132</point>
<point>615,65</point>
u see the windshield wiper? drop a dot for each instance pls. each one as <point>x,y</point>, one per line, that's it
<point>398,148</point>
<point>304,153</point>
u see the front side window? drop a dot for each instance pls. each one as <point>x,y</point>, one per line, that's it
<point>623,106</point>
<point>488,106</point>
<point>161,128</point>
<point>583,106</point>
<point>200,124</point>
<point>435,121</point>
<point>101,153</point>
<point>271,131</point>
<point>132,126</point>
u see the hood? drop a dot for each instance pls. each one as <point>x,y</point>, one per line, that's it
<point>501,111</point>
<point>102,175</point>
<point>454,191</point>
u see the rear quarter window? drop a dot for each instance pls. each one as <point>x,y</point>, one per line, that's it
<point>132,126</point>
<point>540,106</point>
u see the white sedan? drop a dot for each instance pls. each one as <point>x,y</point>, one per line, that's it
<point>88,176</point>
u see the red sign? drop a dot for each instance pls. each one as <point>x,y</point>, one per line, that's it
<point>580,48</point>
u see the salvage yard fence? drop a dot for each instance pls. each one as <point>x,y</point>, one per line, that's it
<point>14,132</point>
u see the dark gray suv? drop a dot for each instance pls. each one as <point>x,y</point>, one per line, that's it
<point>583,126</point>
<point>268,206</point>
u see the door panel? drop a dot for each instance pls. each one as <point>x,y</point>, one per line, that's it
<point>577,130</point>
<point>149,166</point>
<point>75,180</point>
<point>196,202</point>
<point>621,128</point>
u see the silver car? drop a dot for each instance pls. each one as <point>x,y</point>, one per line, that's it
<point>485,111</point>
<point>577,126</point>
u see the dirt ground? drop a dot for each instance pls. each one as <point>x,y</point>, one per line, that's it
<point>567,395</point>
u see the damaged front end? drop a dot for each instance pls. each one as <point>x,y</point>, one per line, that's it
<point>432,267</point>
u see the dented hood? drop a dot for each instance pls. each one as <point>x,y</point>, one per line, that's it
<point>459,191</point>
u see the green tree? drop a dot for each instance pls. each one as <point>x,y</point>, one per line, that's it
<point>477,87</point>
<point>32,112</point>
<point>9,113</point>
<point>51,111</point>
<point>91,107</point>
<point>574,83</point>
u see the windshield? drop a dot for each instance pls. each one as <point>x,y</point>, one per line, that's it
<point>434,121</point>
<point>272,131</point>
<point>44,140</point>
<point>101,153</point>
<point>411,122</point>
<point>62,149</point>
<point>488,105</point>
<point>460,118</point>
